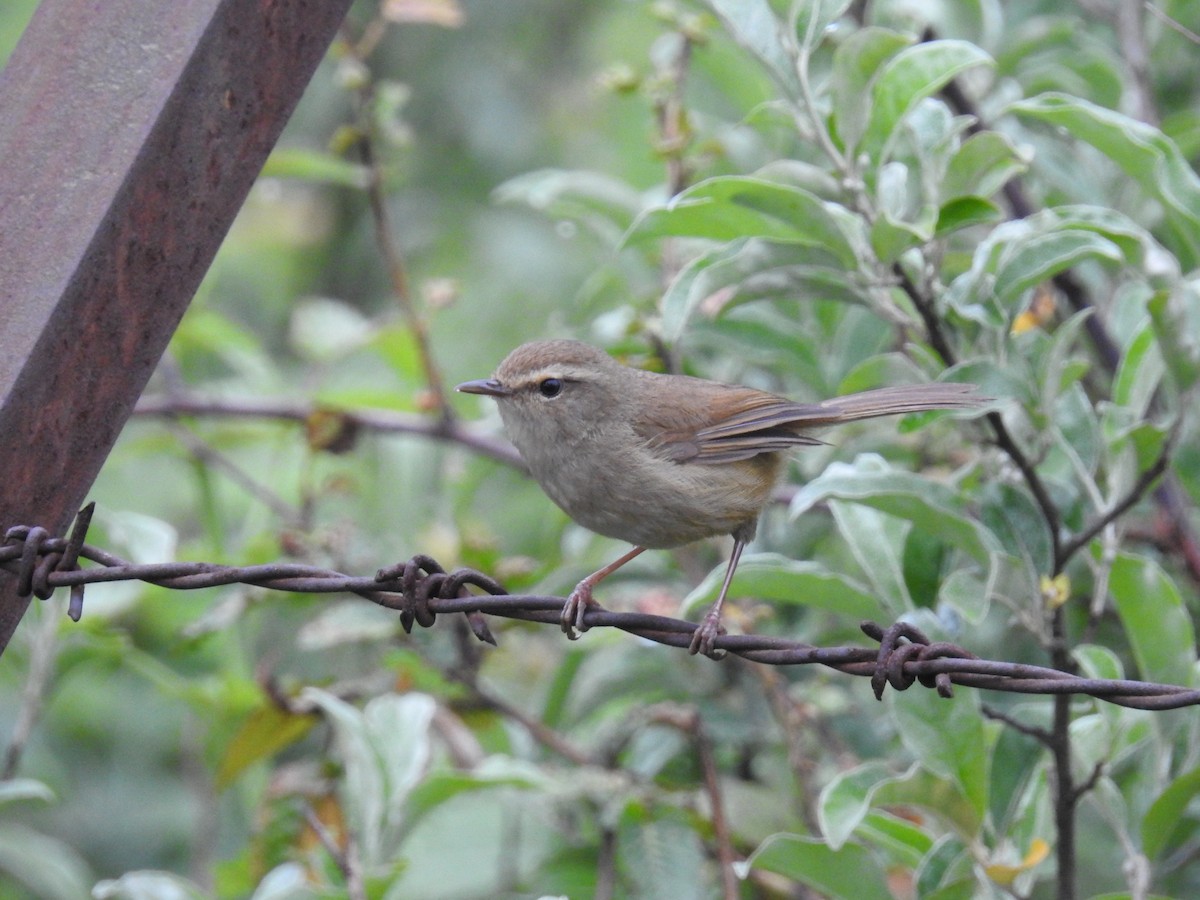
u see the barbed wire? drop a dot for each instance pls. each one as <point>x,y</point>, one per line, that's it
<point>420,590</point>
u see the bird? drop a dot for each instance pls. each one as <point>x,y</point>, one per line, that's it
<point>663,460</point>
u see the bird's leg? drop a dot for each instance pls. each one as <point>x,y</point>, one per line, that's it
<point>710,628</point>
<point>580,599</point>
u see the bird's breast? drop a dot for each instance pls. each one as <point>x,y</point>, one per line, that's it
<point>640,497</point>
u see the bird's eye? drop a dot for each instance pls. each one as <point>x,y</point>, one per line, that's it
<point>550,387</point>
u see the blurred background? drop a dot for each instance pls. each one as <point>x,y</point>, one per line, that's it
<point>513,144</point>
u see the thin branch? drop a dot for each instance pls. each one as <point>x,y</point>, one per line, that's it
<point>303,412</point>
<point>201,450</point>
<point>1139,490</point>
<point>345,860</point>
<point>1003,438</point>
<point>1041,735</point>
<point>674,134</point>
<point>1173,24</point>
<point>43,650</point>
<point>1131,36</point>
<point>538,730</point>
<point>1066,801</point>
<point>800,731</point>
<point>1086,786</point>
<point>389,247</point>
<point>688,721</point>
<point>721,832</point>
<point>606,864</point>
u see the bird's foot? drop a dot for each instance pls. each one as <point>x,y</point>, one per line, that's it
<point>705,636</point>
<point>574,610</point>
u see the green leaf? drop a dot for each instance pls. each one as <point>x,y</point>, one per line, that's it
<point>963,212</point>
<point>1155,619</point>
<point>904,841</point>
<point>869,480</point>
<point>384,748</point>
<point>981,166</point>
<point>946,872</point>
<point>811,19</point>
<point>882,368</point>
<point>924,790</point>
<point>855,63</point>
<point>1011,515</point>
<point>966,592</point>
<point>947,737</point>
<point>147,885</point>
<point>493,772</point>
<point>1174,314</point>
<point>315,166</point>
<point>1077,425</point>
<point>1021,254</point>
<point>777,579</point>
<point>848,873</point>
<point>908,78</point>
<point>1143,152</point>
<point>1031,262</point>
<point>662,857</point>
<point>1098,662</point>
<point>845,801</point>
<point>748,270</point>
<point>892,237</point>
<point>602,203</point>
<point>46,867</point>
<point>877,542</point>
<point>19,789</point>
<point>287,881</point>
<point>1057,374</point>
<point>753,24</point>
<point>559,689</point>
<point>1141,370</point>
<point>322,329</point>
<point>729,207</point>
<point>265,732</point>
<point>1166,814</point>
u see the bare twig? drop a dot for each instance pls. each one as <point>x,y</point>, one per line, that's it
<point>345,860</point>
<point>674,134</point>
<point>378,420</point>
<point>43,650</point>
<point>1066,799</point>
<point>1136,492</point>
<point>721,832</point>
<point>385,236</point>
<point>1041,735</point>
<point>204,452</point>
<point>1173,24</point>
<point>688,721</point>
<point>538,730</point>
<point>1003,438</point>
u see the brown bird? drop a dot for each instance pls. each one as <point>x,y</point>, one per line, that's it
<point>664,460</point>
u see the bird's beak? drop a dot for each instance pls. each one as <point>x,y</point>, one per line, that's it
<point>489,386</point>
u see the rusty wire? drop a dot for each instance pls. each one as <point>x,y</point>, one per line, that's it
<point>420,590</point>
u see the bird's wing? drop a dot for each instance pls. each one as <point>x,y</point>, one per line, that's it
<point>765,423</point>
<point>762,424</point>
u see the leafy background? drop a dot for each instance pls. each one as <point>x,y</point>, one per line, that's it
<point>838,225</point>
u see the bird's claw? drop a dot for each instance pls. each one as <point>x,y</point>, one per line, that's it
<point>705,636</point>
<point>573,611</point>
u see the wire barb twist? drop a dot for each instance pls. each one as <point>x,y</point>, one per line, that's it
<point>420,590</point>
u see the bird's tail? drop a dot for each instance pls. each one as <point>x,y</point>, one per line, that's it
<point>903,398</point>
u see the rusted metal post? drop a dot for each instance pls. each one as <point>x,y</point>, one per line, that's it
<point>130,133</point>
